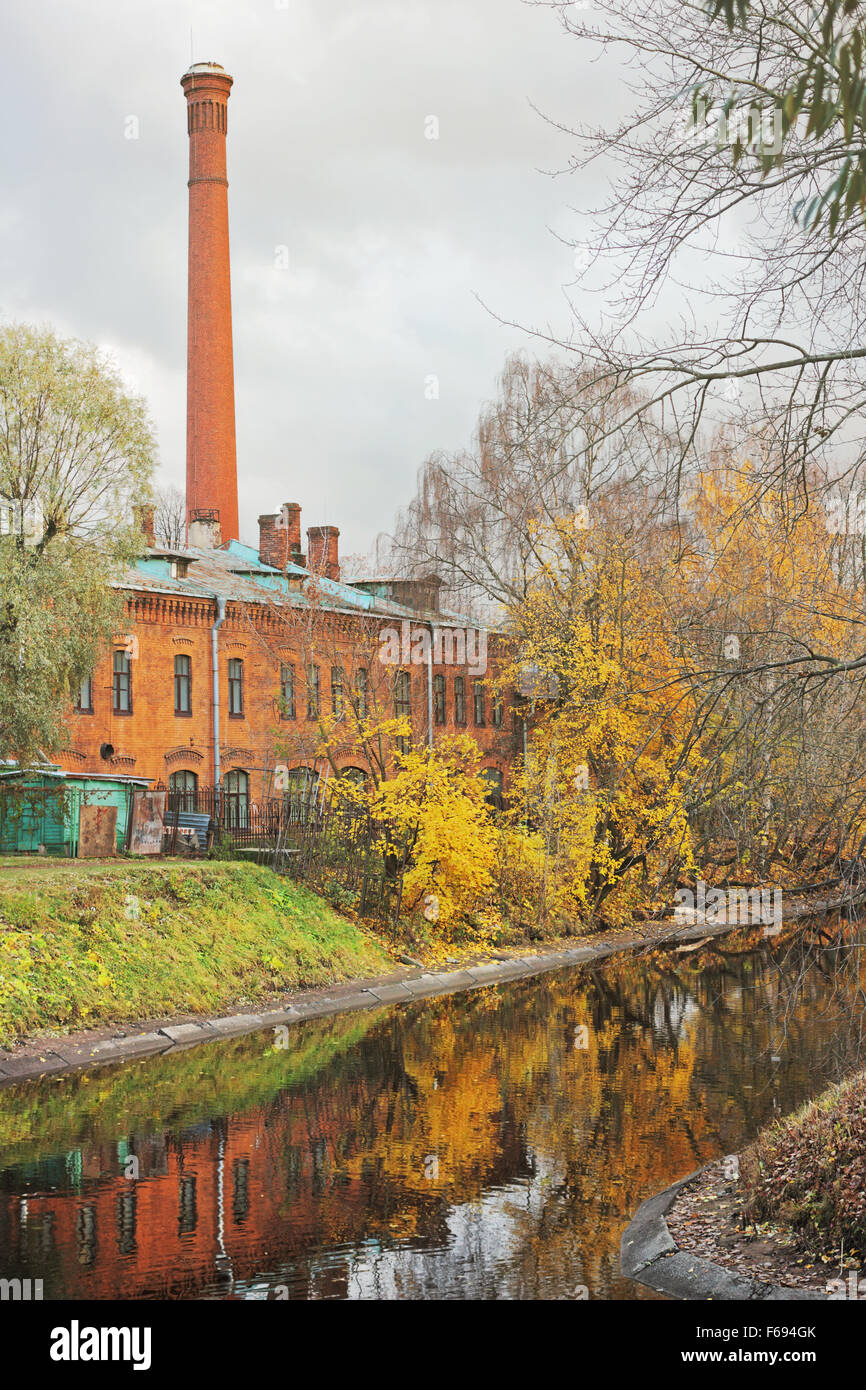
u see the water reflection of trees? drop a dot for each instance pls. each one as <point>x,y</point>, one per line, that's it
<point>494,1142</point>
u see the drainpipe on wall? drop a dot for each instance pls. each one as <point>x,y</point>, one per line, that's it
<point>215,672</point>
<point>430,687</point>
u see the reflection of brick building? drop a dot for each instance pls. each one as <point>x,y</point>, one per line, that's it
<point>248,1198</point>
<point>226,639</point>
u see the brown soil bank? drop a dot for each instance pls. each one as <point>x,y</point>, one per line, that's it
<point>808,1172</point>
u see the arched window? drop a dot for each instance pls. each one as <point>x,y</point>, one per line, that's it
<point>403,705</point>
<point>312,692</point>
<point>300,793</point>
<point>478,702</point>
<point>182,788</point>
<point>353,774</point>
<point>236,786</point>
<point>493,777</point>
<point>402,695</point>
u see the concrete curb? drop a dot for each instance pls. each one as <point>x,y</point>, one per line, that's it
<point>399,987</point>
<point>650,1255</point>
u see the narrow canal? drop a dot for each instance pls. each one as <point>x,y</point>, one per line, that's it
<point>484,1145</point>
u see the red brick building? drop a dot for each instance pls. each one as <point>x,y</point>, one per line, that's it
<point>231,668</point>
<point>236,659</point>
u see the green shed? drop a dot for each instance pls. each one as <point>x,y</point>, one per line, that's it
<point>34,810</point>
<point>40,806</point>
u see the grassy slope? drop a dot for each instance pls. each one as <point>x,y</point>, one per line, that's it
<point>808,1171</point>
<point>83,945</point>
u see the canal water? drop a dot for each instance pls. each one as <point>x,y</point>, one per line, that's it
<point>492,1144</point>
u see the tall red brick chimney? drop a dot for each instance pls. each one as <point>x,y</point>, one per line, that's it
<point>211,459</point>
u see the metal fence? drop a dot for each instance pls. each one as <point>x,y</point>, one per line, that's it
<point>315,838</point>
<point>232,814</point>
<point>329,843</point>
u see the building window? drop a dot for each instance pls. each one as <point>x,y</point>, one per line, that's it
<point>362,692</point>
<point>498,711</point>
<point>337,691</point>
<point>241,1196</point>
<point>402,695</point>
<point>356,775</point>
<point>493,777</point>
<point>459,700</point>
<point>182,788</point>
<point>178,568</point>
<point>188,1215</point>
<point>403,705</point>
<point>478,702</point>
<point>183,685</point>
<point>84,703</point>
<point>236,687</point>
<point>439,699</point>
<point>312,692</point>
<point>122,683</point>
<point>236,785</point>
<point>300,794</point>
<point>287,691</point>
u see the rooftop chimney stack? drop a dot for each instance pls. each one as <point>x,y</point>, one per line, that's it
<point>211,459</point>
<point>145,514</point>
<point>323,555</point>
<point>203,531</point>
<point>280,537</point>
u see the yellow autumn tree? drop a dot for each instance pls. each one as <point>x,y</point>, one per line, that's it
<point>434,824</point>
<point>612,743</point>
<point>435,804</point>
<point>768,626</point>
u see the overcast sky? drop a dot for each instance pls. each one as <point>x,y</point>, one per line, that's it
<point>392,237</point>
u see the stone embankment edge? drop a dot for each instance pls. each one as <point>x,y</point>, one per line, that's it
<point>57,1055</point>
<point>650,1255</point>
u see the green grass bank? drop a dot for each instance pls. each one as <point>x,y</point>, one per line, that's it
<point>87,945</point>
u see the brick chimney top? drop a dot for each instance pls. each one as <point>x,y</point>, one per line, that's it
<point>280,537</point>
<point>323,556</point>
<point>144,516</point>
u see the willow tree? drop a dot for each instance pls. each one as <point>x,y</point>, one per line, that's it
<point>76,456</point>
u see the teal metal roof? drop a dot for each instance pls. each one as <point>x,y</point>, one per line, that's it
<point>237,574</point>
